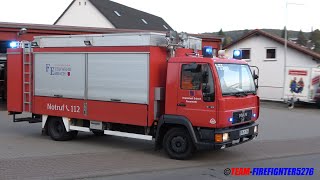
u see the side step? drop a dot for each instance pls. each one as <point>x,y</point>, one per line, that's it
<point>28,119</point>
<point>33,119</point>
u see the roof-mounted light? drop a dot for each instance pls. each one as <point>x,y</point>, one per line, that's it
<point>237,54</point>
<point>207,51</point>
<point>14,44</point>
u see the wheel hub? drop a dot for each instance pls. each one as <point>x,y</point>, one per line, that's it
<point>178,144</point>
<point>58,127</point>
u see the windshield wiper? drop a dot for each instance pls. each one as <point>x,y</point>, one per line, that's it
<point>237,94</point>
<point>251,92</point>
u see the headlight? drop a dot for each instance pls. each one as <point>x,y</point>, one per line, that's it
<point>225,137</point>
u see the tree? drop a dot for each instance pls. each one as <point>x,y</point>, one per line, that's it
<point>315,36</point>
<point>221,33</point>
<point>317,47</point>
<point>227,40</point>
<point>283,33</point>
<point>302,40</point>
<point>245,32</point>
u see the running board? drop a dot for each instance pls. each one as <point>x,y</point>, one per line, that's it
<point>128,135</point>
<point>28,119</point>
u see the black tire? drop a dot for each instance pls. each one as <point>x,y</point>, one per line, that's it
<point>58,132</point>
<point>98,133</point>
<point>318,103</point>
<point>178,144</point>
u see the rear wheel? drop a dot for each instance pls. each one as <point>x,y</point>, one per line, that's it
<point>58,132</point>
<point>178,144</point>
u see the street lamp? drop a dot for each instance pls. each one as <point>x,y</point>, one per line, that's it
<point>286,43</point>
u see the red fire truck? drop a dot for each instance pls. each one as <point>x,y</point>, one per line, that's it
<point>147,86</point>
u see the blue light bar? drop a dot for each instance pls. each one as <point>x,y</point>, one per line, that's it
<point>254,115</point>
<point>207,51</point>
<point>237,54</point>
<point>14,44</point>
<point>231,119</point>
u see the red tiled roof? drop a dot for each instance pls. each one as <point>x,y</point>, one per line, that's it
<point>316,56</point>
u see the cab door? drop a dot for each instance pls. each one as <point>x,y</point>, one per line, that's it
<point>196,94</point>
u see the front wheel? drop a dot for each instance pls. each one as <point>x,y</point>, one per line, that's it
<point>318,103</point>
<point>178,144</point>
<point>58,132</point>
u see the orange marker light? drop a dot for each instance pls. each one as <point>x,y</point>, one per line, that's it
<point>218,138</point>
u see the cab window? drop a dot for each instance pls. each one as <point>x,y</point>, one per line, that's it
<point>198,77</point>
<point>190,77</point>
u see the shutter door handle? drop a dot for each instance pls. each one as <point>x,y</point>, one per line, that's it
<point>182,104</point>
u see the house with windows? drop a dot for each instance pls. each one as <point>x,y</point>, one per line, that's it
<point>267,52</point>
<point>109,14</point>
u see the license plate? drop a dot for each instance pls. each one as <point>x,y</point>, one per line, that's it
<point>244,132</point>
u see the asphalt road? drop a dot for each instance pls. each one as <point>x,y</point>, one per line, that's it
<point>287,138</point>
<point>216,172</point>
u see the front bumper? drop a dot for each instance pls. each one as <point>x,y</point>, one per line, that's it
<point>206,137</point>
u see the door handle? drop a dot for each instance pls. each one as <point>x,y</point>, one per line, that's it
<point>181,104</point>
<point>210,107</point>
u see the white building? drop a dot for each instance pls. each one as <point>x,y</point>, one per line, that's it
<point>109,14</point>
<point>266,51</point>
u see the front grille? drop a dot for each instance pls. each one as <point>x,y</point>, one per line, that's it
<point>242,116</point>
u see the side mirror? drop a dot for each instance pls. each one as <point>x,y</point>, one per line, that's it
<point>255,76</point>
<point>256,79</point>
<point>205,76</point>
<point>208,96</point>
<point>206,89</point>
<point>193,67</point>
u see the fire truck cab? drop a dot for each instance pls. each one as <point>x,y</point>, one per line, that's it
<point>147,86</point>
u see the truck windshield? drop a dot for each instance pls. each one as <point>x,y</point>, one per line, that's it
<point>235,79</point>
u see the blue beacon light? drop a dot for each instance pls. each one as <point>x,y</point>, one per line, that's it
<point>13,44</point>
<point>237,54</point>
<point>207,51</point>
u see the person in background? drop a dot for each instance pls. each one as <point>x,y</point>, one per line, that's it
<point>293,85</point>
<point>300,86</point>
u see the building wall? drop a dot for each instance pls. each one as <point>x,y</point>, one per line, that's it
<point>271,71</point>
<point>83,13</point>
<point>215,44</point>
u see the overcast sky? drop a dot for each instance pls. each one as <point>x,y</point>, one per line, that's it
<point>189,16</point>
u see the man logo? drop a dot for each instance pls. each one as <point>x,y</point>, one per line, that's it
<point>213,121</point>
<point>242,116</point>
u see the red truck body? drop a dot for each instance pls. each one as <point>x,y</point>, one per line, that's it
<point>169,106</point>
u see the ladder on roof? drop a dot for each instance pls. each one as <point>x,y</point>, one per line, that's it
<point>27,76</point>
